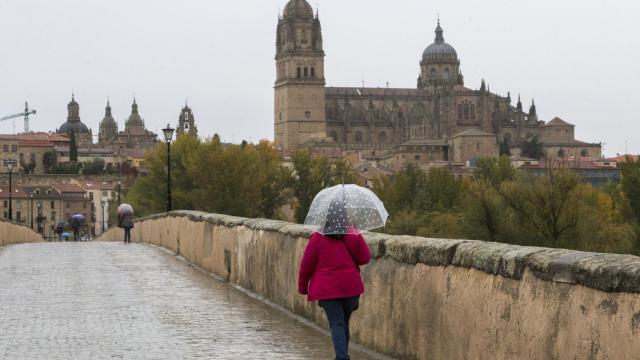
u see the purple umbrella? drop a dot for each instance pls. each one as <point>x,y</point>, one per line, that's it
<point>78,217</point>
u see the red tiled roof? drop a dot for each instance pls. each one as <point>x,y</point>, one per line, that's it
<point>68,188</point>
<point>17,193</point>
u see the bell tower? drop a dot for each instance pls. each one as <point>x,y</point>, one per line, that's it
<point>187,123</point>
<point>300,112</point>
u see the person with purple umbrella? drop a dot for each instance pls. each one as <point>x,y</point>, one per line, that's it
<point>76,225</point>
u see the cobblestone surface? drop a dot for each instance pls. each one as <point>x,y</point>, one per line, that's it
<point>117,301</point>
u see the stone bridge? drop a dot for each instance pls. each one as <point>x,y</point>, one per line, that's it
<point>426,298</point>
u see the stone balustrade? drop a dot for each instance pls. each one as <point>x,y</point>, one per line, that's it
<point>15,233</point>
<point>431,298</point>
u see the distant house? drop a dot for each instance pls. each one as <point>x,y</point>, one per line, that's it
<point>596,172</point>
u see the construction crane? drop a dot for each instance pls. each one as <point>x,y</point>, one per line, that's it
<point>25,113</point>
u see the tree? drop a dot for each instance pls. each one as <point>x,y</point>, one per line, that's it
<point>532,148</point>
<point>495,171</point>
<point>312,174</point>
<point>545,205</point>
<point>93,167</point>
<point>73,147</point>
<point>49,160</point>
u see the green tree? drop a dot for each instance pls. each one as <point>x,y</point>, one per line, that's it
<point>73,147</point>
<point>312,174</point>
<point>533,148</point>
<point>495,171</point>
<point>49,160</point>
<point>93,167</point>
<point>545,205</point>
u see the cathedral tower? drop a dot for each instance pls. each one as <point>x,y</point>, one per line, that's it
<point>300,113</point>
<point>187,123</point>
<point>108,127</point>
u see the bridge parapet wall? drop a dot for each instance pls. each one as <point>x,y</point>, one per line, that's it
<point>432,298</point>
<point>15,233</point>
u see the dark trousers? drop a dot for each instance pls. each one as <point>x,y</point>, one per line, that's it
<point>76,234</point>
<point>338,313</point>
<point>127,235</point>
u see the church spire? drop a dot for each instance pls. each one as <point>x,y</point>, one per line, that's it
<point>519,103</point>
<point>439,33</point>
<point>532,109</point>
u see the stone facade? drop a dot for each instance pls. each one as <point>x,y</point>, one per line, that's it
<point>379,119</point>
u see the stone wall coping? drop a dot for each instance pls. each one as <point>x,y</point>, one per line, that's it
<point>605,272</point>
<point>14,223</point>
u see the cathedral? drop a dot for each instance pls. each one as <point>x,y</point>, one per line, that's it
<point>440,119</point>
<point>135,134</point>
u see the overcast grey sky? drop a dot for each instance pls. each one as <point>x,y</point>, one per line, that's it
<point>580,60</point>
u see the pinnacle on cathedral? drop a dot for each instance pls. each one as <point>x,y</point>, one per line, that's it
<point>108,127</point>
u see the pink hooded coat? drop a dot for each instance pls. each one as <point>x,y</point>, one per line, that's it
<point>328,271</point>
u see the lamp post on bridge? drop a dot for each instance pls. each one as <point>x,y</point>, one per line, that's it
<point>10,164</point>
<point>103,203</point>
<point>168,136</point>
<point>31,212</point>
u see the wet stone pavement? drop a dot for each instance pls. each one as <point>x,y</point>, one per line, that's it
<point>116,301</point>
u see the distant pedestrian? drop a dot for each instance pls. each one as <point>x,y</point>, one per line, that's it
<point>330,273</point>
<point>125,220</point>
<point>75,225</point>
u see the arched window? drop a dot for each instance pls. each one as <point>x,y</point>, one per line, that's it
<point>473,112</point>
<point>334,136</point>
<point>460,111</point>
<point>446,73</point>
<point>584,153</point>
<point>561,153</point>
<point>466,111</point>
<point>307,114</point>
<point>313,72</point>
<point>299,73</point>
<point>433,72</point>
<point>306,72</point>
<point>280,116</point>
<point>358,137</point>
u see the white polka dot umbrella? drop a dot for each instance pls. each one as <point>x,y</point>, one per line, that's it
<point>334,210</point>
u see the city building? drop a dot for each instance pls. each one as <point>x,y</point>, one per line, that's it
<point>440,114</point>
<point>101,194</point>
<point>28,150</point>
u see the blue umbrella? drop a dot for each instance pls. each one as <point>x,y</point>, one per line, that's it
<point>78,217</point>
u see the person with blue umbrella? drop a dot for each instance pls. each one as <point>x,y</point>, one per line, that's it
<point>76,224</point>
<point>330,267</point>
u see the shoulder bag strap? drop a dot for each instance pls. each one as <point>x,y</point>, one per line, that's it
<point>344,242</point>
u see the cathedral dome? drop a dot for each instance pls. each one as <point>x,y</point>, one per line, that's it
<point>439,50</point>
<point>298,9</point>
<point>76,127</point>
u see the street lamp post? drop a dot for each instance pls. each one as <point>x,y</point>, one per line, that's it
<point>10,165</point>
<point>103,204</point>
<point>31,212</point>
<point>168,136</point>
<point>39,219</point>
<point>119,188</point>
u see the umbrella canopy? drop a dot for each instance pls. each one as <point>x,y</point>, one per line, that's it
<point>334,210</point>
<point>125,209</point>
<point>78,217</point>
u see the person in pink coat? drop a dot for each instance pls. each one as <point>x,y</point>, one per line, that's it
<point>330,273</point>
